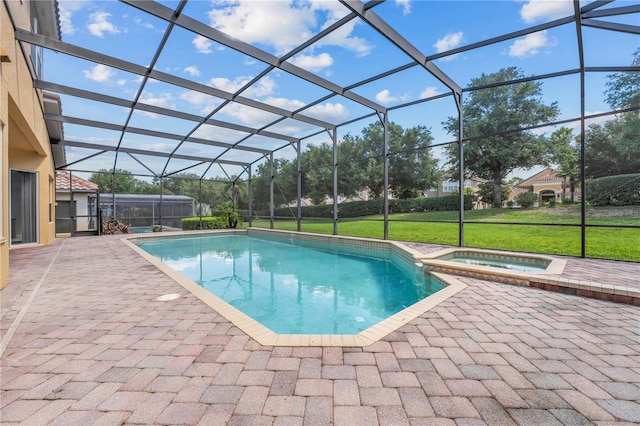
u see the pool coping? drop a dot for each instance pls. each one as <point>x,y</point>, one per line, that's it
<point>264,335</point>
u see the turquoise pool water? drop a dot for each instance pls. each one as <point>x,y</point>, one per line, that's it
<point>294,286</point>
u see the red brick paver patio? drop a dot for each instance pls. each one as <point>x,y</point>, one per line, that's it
<point>86,342</point>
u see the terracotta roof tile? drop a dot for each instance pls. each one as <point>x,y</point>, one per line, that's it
<point>77,183</point>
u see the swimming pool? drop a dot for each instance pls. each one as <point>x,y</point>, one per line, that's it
<point>269,266</point>
<point>297,287</point>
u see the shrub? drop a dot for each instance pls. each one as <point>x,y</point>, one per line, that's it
<point>526,199</point>
<point>215,222</point>
<point>621,190</point>
<point>374,207</point>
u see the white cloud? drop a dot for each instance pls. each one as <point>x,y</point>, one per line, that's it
<point>248,115</point>
<point>384,97</point>
<point>100,73</point>
<point>263,87</point>
<point>216,133</point>
<point>342,38</point>
<point>156,147</point>
<point>121,82</point>
<point>253,22</point>
<point>448,42</point>
<point>530,45</point>
<point>67,9</point>
<point>163,100</point>
<point>141,23</point>
<point>538,10</point>
<point>202,44</point>
<point>195,98</point>
<point>284,103</point>
<point>405,5</point>
<point>311,62</point>
<point>328,112</point>
<point>192,70</point>
<point>99,24</point>
<point>429,92</point>
<point>205,103</point>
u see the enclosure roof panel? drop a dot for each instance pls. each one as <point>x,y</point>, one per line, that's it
<point>230,82</point>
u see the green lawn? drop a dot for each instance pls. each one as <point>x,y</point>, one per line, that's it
<point>608,243</point>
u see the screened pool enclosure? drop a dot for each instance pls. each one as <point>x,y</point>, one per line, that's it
<point>379,119</point>
<point>147,210</point>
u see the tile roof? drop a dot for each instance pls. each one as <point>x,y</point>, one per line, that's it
<point>77,183</point>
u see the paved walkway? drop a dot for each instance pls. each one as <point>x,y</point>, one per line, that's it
<point>94,346</point>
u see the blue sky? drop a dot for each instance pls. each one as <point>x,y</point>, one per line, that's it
<point>354,53</point>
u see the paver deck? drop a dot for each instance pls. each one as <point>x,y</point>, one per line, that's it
<point>85,341</point>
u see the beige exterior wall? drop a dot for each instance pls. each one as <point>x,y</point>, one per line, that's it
<point>25,142</point>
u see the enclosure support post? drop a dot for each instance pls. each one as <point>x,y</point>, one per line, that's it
<point>458,98</point>
<point>385,154</point>
<point>250,196</point>
<point>271,190</point>
<point>113,194</point>
<point>200,202</point>
<point>334,139</point>
<point>299,185</point>
<point>583,205</point>
<point>72,207</point>
<point>160,209</point>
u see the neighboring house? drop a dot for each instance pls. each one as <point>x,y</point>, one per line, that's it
<point>449,186</point>
<point>548,185</point>
<point>76,205</point>
<point>304,202</point>
<point>27,166</point>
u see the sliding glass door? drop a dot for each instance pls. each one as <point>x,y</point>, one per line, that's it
<point>24,207</point>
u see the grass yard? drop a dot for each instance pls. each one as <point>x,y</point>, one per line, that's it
<point>503,229</point>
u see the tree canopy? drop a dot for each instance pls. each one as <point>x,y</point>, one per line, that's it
<point>613,148</point>
<point>500,110</point>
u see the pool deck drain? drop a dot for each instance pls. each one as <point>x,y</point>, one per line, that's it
<point>95,347</point>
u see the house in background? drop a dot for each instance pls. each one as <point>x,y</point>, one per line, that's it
<point>548,185</point>
<point>76,205</point>
<point>27,158</point>
<point>449,186</point>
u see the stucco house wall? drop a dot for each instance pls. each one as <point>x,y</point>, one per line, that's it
<point>25,140</point>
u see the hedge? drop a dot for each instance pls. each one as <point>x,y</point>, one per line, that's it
<point>375,207</point>
<point>193,223</point>
<point>620,190</point>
